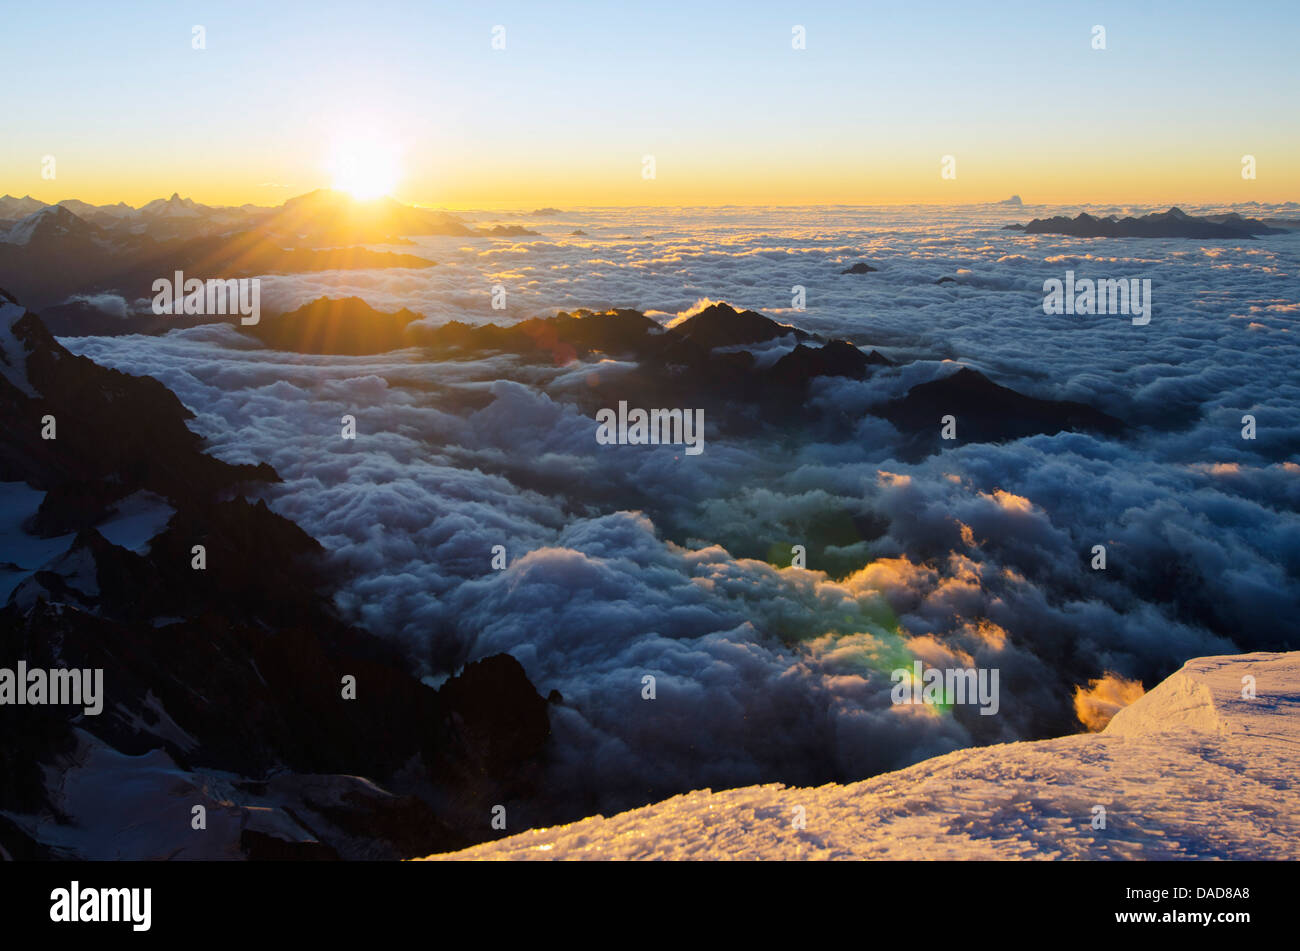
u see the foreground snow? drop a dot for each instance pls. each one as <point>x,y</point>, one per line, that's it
<point>1190,770</point>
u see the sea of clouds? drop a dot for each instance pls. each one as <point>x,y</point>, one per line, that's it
<point>627,561</point>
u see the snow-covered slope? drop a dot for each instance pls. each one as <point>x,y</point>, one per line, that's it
<point>1190,770</point>
<point>51,223</point>
<point>13,352</point>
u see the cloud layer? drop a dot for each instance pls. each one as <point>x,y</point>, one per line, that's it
<point>626,562</point>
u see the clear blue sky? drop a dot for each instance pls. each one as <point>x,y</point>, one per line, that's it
<point>582,91</point>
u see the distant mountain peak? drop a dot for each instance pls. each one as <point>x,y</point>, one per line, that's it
<point>1174,223</point>
<point>174,207</point>
<point>11,207</point>
<point>720,325</point>
<point>47,223</point>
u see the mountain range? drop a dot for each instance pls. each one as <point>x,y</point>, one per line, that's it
<point>122,251</point>
<point>1174,223</point>
<point>708,359</point>
<point>223,680</point>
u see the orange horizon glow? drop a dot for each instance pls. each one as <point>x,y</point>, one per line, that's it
<point>705,190</point>
<point>373,160</point>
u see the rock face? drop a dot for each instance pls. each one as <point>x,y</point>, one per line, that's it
<point>987,412</point>
<point>836,358</point>
<point>1173,223</point>
<point>114,434</point>
<point>1191,770</point>
<point>226,683</point>
<point>719,325</point>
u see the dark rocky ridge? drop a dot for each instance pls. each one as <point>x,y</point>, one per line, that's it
<point>699,361</point>
<point>116,434</point>
<point>128,264</point>
<point>246,657</point>
<point>125,252</point>
<point>1173,223</point>
<point>987,412</point>
<point>720,325</point>
<point>695,362</point>
<point>834,358</point>
<point>235,668</point>
<point>332,325</point>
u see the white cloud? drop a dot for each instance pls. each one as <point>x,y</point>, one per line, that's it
<point>616,568</point>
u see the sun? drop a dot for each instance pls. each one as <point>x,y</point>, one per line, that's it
<point>365,167</point>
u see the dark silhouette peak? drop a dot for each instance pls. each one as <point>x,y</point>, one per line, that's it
<point>971,377</point>
<point>1174,223</point>
<point>721,325</point>
<point>835,358</point>
<point>337,325</point>
<point>988,412</point>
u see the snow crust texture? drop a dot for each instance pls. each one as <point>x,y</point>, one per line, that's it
<point>1194,769</point>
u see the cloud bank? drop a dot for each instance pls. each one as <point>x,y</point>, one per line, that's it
<point>626,561</point>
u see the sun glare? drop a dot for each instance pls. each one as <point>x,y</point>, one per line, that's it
<point>364,167</point>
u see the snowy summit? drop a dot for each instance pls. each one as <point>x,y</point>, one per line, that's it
<point>1197,768</point>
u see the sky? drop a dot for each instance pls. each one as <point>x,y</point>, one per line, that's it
<point>566,113</point>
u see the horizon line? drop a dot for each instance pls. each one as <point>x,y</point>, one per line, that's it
<point>530,207</point>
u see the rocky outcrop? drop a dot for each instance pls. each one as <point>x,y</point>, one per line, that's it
<point>346,326</point>
<point>707,359</point>
<point>720,325</point>
<point>1173,223</point>
<point>835,358</point>
<point>506,231</point>
<point>229,679</point>
<point>89,435</point>
<point>987,412</point>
